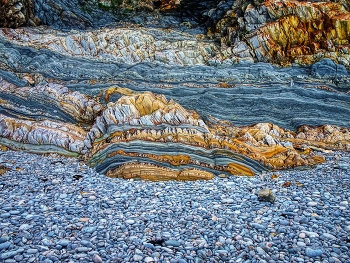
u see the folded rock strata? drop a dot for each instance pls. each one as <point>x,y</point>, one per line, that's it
<point>50,100</point>
<point>157,129</point>
<point>41,136</point>
<point>119,45</point>
<point>145,130</point>
<point>152,172</point>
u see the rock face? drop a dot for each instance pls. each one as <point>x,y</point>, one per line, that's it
<point>49,100</point>
<point>42,137</point>
<point>16,13</point>
<point>286,32</point>
<point>156,173</point>
<point>158,132</point>
<point>121,45</point>
<point>152,97</point>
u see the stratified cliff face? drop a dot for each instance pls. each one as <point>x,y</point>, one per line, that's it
<point>142,132</point>
<point>171,90</point>
<point>281,32</point>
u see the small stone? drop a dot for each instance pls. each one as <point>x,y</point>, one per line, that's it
<point>311,234</point>
<point>55,181</point>
<point>302,235</point>
<point>32,251</point>
<point>173,243</point>
<point>5,245</point>
<point>63,196</point>
<point>344,203</point>
<point>313,252</point>
<point>260,251</point>
<point>130,221</point>
<point>96,259</point>
<point>347,228</point>
<point>228,201</point>
<point>9,254</point>
<point>137,258</point>
<point>148,260</point>
<point>89,229</point>
<point>64,242</point>
<point>312,204</point>
<point>258,226</point>
<point>5,215</point>
<point>266,195</point>
<point>328,236</point>
<point>25,227</point>
<point>4,239</point>
<point>223,175</point>
<point>301,244</point>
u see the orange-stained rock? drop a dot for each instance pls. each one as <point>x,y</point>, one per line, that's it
<point>285,32</point>
<point>152,172</point>
<point>238,169</point>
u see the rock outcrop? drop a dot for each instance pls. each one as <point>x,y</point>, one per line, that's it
<point>152,97</point>
<point>48,100</point>
<point>285,32</point>
<point>119,45</point>
<point>16,13</point>
<point>157,132</point>
<point>151,172</point>
<point>41,136</point>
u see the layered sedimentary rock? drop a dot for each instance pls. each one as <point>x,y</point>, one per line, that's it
<point>158,99</point>
<point>285,32</point>
<point>142,132</point>
<point>41,136</point>
<point>155,173</point>
<point>120,45</point>
<point>51,101</point>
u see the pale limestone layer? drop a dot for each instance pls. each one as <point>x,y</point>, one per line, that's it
<point>45,133</point>
<point>120,45</point>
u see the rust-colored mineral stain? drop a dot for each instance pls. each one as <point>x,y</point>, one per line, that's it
<point>153,172</point>
<point>239,169</point>
<point>175,160</point>
<point>3,169</point>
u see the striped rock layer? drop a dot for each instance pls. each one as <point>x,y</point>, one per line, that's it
<point>145,135</point>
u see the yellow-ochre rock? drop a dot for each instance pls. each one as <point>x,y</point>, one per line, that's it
<point>285,32</point>
<point>152,172</point>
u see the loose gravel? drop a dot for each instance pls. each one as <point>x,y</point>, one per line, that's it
<point>56,209</point>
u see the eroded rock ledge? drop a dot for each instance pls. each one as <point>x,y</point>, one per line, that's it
<point>280,32</point>
<point>166,139</point>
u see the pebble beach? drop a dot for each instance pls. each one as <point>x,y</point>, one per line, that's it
<point>57,209</point>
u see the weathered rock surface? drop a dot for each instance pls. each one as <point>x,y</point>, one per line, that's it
<point>154,130</point>
<point>42,136</point>
<point>155,173</point>
<point>16,13</point>
<point>146,101</point>
<point>49,100</point>
<point>266,195</point>
<point>119,45</point>
<point>286,32</point>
